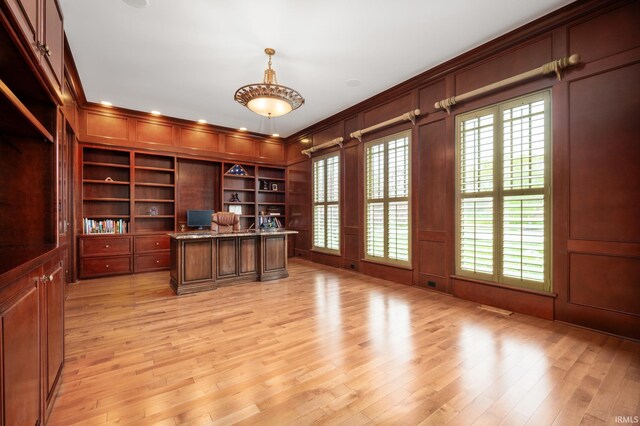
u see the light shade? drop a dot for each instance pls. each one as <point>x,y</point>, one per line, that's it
<point>269,98</point>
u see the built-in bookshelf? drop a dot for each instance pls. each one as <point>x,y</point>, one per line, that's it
<point>125,192</point>
<point>106,189</point>
<point>239,192</point>
<point>128,207</point>
<point>271,197</point>
<point>257,193</point>
<point>154,193</point>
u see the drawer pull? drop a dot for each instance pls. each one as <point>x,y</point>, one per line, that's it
<point>157,244</point>
<point>157,261</point>
<point>106,266</point>
<point>106,246</point>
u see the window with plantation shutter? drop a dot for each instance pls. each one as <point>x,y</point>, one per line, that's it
<point>387,192</point>
<point>503,193</point>
<point>326,203</point>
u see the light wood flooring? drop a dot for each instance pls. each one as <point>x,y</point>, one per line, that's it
<point>329,346</point>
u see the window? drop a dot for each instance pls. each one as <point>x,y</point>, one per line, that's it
<point>503,193</point>
<point>387,192</point>
<point>326,203</point>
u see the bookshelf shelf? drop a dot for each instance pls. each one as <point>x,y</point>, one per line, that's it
<point>158,185</point>
<point>106,216</point>
<point>157,169</point>
<point>158,216</point>
<point>118,200</point>
<point>106,182</point>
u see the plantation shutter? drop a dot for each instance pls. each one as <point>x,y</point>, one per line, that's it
<point>503,193</point>
<point>387,192</point>
<point>477,194</point>
<point>326,203</point>
<point>523,219</point>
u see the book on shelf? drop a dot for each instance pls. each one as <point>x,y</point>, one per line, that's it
<point>266,222</point>
<point>105,226</point>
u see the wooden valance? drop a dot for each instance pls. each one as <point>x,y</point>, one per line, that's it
<point>553,66</point>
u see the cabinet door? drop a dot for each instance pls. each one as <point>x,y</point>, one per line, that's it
<point>53,42</point>
<point>54,291</point>
<point>20,353</point>
<point>26,14</point>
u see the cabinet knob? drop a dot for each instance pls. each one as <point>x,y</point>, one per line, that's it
<point>157,261</point>
<point>106,266</point>
<point>47,278</point>
<point>106,246</point>
<point>157,244</point>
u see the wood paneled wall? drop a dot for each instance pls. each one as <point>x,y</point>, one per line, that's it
<point>132,129</point>
<point>197,187</point>
<point>596,166</point>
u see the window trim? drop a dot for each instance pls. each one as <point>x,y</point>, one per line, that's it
<point>325,203</point>
<point>498,193</point>
<point>386,260</point>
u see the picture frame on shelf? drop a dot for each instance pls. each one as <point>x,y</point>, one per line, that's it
<point>274,186</point>
<point>235,208</point>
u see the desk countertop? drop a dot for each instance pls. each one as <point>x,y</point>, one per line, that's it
<point>242,233</point>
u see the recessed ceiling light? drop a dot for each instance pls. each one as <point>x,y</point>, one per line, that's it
<point>242,129</point>
<point>137,3</point>
<point>276,135</point>
<point>106,103</point>
<point>154,112</point>
<point>354,82</point>
<point>201,121</point>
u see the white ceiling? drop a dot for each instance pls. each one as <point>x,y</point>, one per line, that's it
<point>187,58</point>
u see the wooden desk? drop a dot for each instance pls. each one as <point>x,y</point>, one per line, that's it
<point>202,261</point>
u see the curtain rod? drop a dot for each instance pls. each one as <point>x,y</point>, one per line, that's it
<point>332,142</point>
<point>409,116</point>
<point>548,68</point>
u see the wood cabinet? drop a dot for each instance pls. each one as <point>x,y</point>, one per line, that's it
<point>52,283</point>
<point>151,252</point>
<point>105,255</point>
<point>31,307</point>
<point>52,43</point>
<point>41,24</point>
<point>31,339</point>
<point>21,353</point>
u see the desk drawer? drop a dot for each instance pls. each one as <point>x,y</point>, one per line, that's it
<point>104,246</point>
<point>151,243</point>
<point>152,262</point>
<point>98,266</point>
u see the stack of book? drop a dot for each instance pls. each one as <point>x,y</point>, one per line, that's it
<point>105,226</point>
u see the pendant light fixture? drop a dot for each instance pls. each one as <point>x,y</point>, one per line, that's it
<point>269,98</point>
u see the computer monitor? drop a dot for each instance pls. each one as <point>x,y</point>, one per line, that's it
<point>200,219</point>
